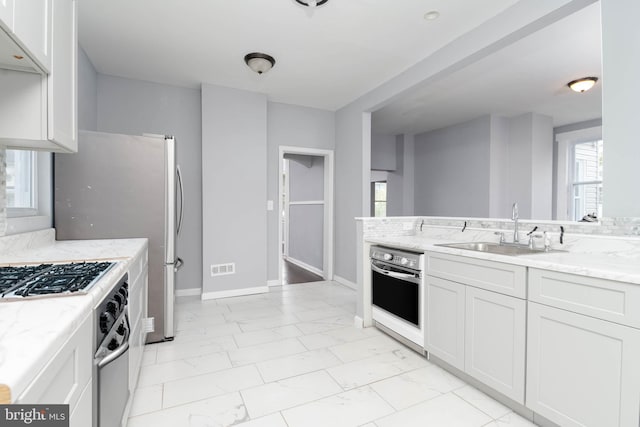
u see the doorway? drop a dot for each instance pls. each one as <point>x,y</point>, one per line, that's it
<point>305,206</point>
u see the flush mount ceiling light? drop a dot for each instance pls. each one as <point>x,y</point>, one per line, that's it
<point>311,3</point>
<point>432,15</point>
<point>583,84</point>
<point>259,62</point>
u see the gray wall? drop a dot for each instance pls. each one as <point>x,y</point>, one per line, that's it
<point>383,152</point>
<point>620,107</point>
<point>530,163</point>
<point>306,222</point>
<point>306,183</point>
<point>136,107</point>
<point>234,191</point>
<point>87,92</point>
<point>452,170</point>
<point>291,125</point>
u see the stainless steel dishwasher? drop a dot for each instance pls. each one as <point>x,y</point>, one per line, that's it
<point>111,360</point>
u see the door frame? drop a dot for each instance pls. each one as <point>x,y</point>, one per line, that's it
<point>327,243</point>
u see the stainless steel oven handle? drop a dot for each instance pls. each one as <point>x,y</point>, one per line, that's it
<point>395,274</point>
<point>117,353</point>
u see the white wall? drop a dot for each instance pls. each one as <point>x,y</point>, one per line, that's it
<point>295,126</point>
<point>136,107</point>
<point>621,68</point>
<point>306,221</point>
<point>234,189</point>
<point>452,170</point>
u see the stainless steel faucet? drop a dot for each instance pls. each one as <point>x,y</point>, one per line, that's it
<point>514,217</point>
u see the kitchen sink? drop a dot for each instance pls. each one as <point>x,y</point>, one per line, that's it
<point>496,248</point>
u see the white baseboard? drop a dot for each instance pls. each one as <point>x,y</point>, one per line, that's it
<point>235,292</point>
<point>273,282</point>
<point>345,282</point>
<point>358,322</point>
<point>305,266</point>
<point>188,292</point>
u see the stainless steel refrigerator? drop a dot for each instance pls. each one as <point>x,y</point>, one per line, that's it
<point>122,186</point>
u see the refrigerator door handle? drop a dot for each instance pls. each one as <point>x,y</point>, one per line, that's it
<point>180,186</point>
<point>178,264</point>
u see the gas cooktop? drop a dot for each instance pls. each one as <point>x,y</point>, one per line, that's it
<point>46,280</point>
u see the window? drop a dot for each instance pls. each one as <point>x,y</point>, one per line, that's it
<point>379,198</point>
<point>21,183</point>
<point>585,188</point>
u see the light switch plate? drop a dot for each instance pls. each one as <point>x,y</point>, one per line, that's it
<point>269,205</point>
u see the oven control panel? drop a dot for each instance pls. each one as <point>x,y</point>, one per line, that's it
<point>111,312</point>
<point>397,257</point>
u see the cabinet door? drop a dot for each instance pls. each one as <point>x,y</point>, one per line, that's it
<point>32,26</point>
<point>582,371</point>
<point>495,336</point>
<point>6,14</point>
<point>444,325</point>
<point>62,108</point>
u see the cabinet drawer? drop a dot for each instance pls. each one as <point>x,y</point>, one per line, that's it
<point>64,378</point>
<point>490,275</point>
<point>600,298</point>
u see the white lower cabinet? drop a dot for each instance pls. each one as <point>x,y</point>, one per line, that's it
<point>66,377</point>
<point>138,286</point>
<point>444,320</point>
<point>495,336</point>
<point>475,322</point>
<point>82,415</point>
<point>582,371</point>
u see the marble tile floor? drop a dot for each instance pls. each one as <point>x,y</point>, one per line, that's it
<point>292,358</point>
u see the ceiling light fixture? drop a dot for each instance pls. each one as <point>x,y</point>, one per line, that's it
<point>583,84</point>
<point>432,15</point>
<point>311,3</point>
<point>259,62</point>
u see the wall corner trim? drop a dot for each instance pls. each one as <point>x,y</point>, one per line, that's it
<point>235,292</point>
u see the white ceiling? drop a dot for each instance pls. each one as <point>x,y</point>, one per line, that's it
<point>528,76</point>
<point>325,58</point>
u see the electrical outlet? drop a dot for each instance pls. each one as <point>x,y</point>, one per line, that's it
<point>223,269</point>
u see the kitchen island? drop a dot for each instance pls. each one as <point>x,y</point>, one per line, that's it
<point>545,333</point>
<point>34,333</point>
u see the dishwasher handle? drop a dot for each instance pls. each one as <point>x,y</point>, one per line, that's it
<point>395,274</point>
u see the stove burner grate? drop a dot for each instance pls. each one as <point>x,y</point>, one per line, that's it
<point>49,279</point>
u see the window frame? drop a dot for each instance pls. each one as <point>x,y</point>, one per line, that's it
<point>19,212</point>
<point>572,184</point>
<point>374,200</point>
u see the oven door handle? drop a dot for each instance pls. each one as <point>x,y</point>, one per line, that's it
<point>395,274</point>
<point>117,353</point>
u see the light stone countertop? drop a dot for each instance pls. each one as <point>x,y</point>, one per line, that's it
<point>606,258</point>
<point>33,331</point>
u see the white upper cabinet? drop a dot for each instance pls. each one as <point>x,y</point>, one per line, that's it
<point>62,97</point>
<point>38,94</point>
<point>32,28</point>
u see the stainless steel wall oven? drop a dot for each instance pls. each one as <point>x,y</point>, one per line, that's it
<point>397,289</point>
